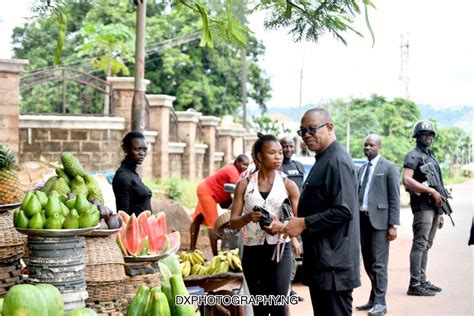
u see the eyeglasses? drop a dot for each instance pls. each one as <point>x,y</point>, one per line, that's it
<point>311,130</point>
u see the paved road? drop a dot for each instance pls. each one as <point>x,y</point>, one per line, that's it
<point>450,266</point>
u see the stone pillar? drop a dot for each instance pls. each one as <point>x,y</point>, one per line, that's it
<point>159,121</point>
<point>146,169</point>
<point>10,70</point>
<point>250,139</point>
<point>209,126</point>
<point>231,142</point>
<point>188,121</point>
<point>122,98</point>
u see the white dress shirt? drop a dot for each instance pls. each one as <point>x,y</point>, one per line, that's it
<point>365,200</point>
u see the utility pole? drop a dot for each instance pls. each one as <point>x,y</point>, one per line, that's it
<point>404,53</point>
<point>139,102</point>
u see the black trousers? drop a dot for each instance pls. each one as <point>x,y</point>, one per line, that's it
<point>267,277</point>
<point>330,303</point>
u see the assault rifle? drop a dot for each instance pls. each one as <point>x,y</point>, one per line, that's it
<point>433,180</point>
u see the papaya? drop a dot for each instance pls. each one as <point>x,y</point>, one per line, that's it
<point>159,305</point>
<point>138,305</point>
<point>172,263</point>
<point>82,312</point>
<point>52,298</point>
<point>24,299</point>
<point>179,288</point>
<point>150,297</point>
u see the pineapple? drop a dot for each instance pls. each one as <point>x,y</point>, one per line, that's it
<point>10,191</point>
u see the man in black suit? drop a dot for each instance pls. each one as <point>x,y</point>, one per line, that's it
<point>379,201</point>
<point>328,219</point>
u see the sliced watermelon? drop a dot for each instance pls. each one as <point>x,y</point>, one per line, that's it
<point>164,244</point>
<point>143,223</point>
<point>121,243</point>
<point>156,236</point>
<point>124,216</point>
<point>175,242</point>
<point>135,242</point>
<point>161,219</point>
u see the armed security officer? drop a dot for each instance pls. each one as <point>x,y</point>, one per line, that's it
<point>424,202</point>
<point>293,169</point>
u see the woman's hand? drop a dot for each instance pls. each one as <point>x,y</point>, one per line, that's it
<point>296,246</point>
<point>253,217</point>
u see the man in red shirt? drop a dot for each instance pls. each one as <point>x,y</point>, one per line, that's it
<point>211,192</point>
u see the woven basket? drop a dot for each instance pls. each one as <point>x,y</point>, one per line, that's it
<point>6,220</point>
<point>132,284</point>
<point>110,272</point>
<point>105,291</point>
<point>106,308</point>
<point>11,243</point>
<point>102,250</point>
<point>10,275</point>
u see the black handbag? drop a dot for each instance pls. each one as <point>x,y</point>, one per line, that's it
<point>266,218</point>
<point>286,212</point>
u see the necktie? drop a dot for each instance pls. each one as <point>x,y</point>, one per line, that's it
<point>364,182</point>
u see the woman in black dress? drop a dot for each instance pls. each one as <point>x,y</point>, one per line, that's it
<point>131,195</point>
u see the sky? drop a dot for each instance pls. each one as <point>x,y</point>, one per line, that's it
<point>440,58</point>
<point>440,62</point>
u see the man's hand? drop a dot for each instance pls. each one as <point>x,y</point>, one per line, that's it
<point>391,233</point>
<point>437,197</point>
<point>275,227</point>
<point>295,226</point>
<point>296,246</point>
<point>441,222</point>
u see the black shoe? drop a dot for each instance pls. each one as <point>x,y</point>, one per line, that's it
<point>419,290</point>
<point>378,309</point>
<point>300,298</point>
<point>430,286</point>
<point>365,307</point>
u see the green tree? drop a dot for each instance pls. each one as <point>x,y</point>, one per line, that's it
<point>266,125</point>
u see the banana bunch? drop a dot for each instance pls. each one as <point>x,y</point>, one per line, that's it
<point>233,258</point>
<point>194,257</point>
<point>193,263</point>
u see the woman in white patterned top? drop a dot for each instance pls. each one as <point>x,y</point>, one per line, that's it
<point>266,273</point>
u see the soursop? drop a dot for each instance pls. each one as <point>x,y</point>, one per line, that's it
<point>62,174</point>
<point>93,189</point>
<point>61,187</point>
<point>78,186</point>
<point>72,165</point>
<point>49,184</point>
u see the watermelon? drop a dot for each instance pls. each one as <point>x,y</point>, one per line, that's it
<point>175,242</point>
<point>52,298</point>
<point>82,312</point>
<point>24,299</point>
<point>135,242</point>
<point>161,220</point>
<point>124,216</point>
<point>156,236</point>
<point>143,223</point>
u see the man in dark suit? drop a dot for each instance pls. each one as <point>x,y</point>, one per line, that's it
<point>379,201</point>
<point>328,219</point>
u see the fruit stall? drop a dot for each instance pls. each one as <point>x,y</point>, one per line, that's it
<point>64,252</point>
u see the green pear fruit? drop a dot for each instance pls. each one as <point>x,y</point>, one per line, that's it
<point>71,221</point>
<point>26,199</point>
<point>33,207</point>
<point>81,203</point>
<point>86,219</point>
<point>22,221</point>
<point>52,207</point>
<point>53,222</point>
<point>70,203</point>
<point>36,222</point>
<point>42,197</point>
<point>64,209</point>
